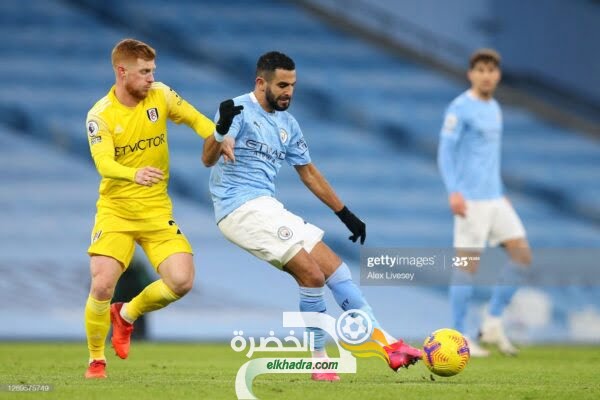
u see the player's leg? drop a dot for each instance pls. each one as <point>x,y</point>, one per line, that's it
<point>470,235</point>
<point>349,297</point>
<point>265,229</point>
<point>110,253</point>
<point>105,272</point>
<point>511,275</point>
<point>508,231</point>
<point>170,253</point>
<point>311,281</point>
<point>460,293</point>
<point>461,289</point>
<point>176,280</point>
<point>339,280</point>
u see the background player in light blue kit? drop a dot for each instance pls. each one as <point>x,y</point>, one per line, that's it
<point>469,160</point>
<point>247,214</point>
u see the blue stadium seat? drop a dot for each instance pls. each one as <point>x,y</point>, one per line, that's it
<point>371,120</point>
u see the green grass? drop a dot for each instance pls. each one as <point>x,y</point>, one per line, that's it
<point>207,371</point>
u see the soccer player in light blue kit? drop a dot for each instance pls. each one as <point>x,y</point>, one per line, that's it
<point>265,135</point>
<point>469,160</point>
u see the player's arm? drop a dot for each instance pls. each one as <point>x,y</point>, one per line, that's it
<point>103,153</point>
<point>447,160</point>
<point>318,185</point>
<point>225,129</point>
<point>180,111</point>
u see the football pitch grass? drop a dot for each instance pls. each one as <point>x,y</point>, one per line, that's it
<point>207,371</point>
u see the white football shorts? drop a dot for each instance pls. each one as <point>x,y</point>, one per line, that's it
<point>487,221</point>
<point>263,227</point>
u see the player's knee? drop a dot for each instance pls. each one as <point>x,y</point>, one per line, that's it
<point>314,278</point>
<point>522,258</point>
<point>185,287</point>
<point>105,273</point>
<point>102,290</point>
<point>181,286</point>
<point>520,254</point>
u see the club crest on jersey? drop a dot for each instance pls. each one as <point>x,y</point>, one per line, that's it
<point>284,233</point>
<point>152,114</point>
<point>283,135</point>
<point>92,128</point>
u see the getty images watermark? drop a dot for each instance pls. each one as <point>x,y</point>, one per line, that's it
<point>409,266</point>
<point>437,266</point>
<point>352,332</point>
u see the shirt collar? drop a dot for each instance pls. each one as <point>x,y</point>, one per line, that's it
<point>262,110</point>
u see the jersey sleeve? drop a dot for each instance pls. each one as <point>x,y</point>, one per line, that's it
<point>103,151</point>
<point>180,111</point>
<point>297,150</point>
<point>450,135</point>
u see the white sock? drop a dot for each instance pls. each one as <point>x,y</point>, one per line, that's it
<point>124,315</point>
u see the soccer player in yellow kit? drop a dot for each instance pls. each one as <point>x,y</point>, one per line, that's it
<point>127,134</point>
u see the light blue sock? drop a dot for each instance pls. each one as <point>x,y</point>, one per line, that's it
<point>510,278</point>
<point>312,300</point>
<point>460,294</point>
<point>347,294</point>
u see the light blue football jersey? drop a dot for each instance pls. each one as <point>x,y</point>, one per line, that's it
<point>262,141</point>
<point>470,146</point>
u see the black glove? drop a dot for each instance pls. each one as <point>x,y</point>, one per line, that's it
<point>355,225</point>
<point>227,110</point>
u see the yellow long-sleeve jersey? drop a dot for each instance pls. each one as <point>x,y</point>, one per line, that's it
<point>123,139</point>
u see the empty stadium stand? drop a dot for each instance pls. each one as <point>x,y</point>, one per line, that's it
<point>371,121</point>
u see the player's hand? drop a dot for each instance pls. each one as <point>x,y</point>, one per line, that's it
<point>227,110</point>
<point>227,149</point>
<point>355,225</point>
<point>458,205</point>
<point>148,176</point>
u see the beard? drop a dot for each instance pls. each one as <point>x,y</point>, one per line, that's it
<point>273,101</point>
<point>137,93</point>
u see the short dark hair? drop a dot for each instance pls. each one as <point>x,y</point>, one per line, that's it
<point>486,56</point>
<point>269,62</point>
